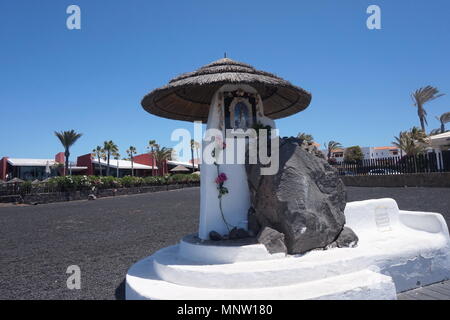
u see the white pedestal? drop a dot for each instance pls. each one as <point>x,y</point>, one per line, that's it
<point>236,203</point>
<point>398,250</point>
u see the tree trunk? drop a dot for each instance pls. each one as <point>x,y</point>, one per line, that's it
<point>132,166</point>
<point>192,158</point>
<point>66,167</point>
<point>421,114</point>
<point>100,166</point>
<point>107,168</point>
<point>153,162</point>
<point>422,124</point>
<point>198,159</point>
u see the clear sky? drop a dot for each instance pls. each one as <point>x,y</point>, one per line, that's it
<point>92,80</point>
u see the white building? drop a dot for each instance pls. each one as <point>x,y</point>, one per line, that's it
<point>369,153</point>
<point>380,152</point>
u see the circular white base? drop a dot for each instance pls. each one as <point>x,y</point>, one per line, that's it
<point>143,283</point>
<point>220,252</point>
<point>169,274</point>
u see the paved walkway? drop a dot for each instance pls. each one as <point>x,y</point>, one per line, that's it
<point>437,291</point>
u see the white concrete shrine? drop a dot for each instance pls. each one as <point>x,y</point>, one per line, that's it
<point>397,250</point>
<point>233,107</point>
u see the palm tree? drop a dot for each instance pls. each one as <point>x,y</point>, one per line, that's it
<point>110,147</point>
<point>411,142</point>
<point>162,155</point>
<point>443,119</point>
<point>331,146</point>
<point>67,138</point>
<point>305,137</point>
<point>100,154</point>
<point>131,151</point>
<point>418,135</point>
<point>197,147</point>
<point>422,96</point>
<point>192,153</point>
<point>116,156</point>
<point>151,145</point>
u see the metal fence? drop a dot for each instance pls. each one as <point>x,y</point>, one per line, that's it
<point>422,163</point>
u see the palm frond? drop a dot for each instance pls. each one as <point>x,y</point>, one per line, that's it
<point>68,138</point>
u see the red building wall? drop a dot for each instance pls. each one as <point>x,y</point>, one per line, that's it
<point>86,161</point>
<point>60,157</point>
<point>146,159</point>
<point>3,168</point>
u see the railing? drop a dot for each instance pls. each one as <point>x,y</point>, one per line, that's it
<point>422,163</point>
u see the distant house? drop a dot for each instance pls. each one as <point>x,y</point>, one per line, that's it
<point>31,169</point>
<point>337,154</point>
<point>380,152</point>
<point>368,152</point>
<point>440,142</point>
<point>119,168</point>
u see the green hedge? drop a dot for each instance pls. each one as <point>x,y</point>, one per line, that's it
<point>72,183</point>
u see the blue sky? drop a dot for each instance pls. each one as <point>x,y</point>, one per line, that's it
<point>92,80</point>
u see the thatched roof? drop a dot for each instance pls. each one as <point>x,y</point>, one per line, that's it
<point>188,96</point>
<point>180,168</point>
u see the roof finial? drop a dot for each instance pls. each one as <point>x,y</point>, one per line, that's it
<point>225,55</point>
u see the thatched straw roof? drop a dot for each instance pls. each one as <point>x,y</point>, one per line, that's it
<point>188,96</point>
<point>180,168</point>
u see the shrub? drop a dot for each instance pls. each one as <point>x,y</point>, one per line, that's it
<point>353,154</point>
<point>110,182</point>
<point>153,181</point>
<point>177,178</point>
<point>128,181</point>
<point>25,187</point>
<point>81,182</point>
<point>72,183</point>
<point>66,183</point>
<point>184,178</point>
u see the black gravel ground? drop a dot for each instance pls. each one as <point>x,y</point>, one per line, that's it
<point>105,237</point>
<point>415,199</point>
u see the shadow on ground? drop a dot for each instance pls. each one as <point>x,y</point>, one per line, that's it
<point>120,291</point>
